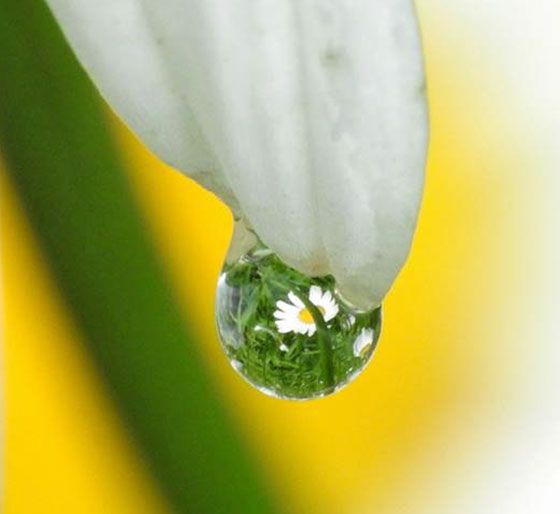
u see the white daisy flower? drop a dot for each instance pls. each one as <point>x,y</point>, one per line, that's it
<point>363,342</point>
<point>295,317</point>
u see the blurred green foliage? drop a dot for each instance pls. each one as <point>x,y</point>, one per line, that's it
<point>63,164</point>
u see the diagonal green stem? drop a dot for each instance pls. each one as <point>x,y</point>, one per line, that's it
<point>324,339</point>
<point>74,190</point>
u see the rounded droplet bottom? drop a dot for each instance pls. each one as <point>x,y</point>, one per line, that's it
<point>289,335</point>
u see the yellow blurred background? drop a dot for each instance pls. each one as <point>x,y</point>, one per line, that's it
<point>406,434</point>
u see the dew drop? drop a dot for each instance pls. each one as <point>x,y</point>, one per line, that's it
<point>289,335</point>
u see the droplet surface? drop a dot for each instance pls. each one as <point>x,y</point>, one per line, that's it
<point>289,335</point>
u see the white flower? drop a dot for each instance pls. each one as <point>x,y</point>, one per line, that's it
<point>308,118</point>
<point>295,317</point>
<point>363,342</point>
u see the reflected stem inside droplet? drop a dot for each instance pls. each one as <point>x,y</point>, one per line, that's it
<point>324,340</point>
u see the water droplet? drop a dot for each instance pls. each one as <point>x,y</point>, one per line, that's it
<point>289,335</point>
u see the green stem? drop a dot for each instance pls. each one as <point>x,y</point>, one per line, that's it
<point>74,190</point>
<point>324,339</point>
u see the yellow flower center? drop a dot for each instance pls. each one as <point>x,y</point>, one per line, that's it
<point>306,317</point>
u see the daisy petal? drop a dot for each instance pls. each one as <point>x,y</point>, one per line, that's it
<point>363,341</point>
<point>286,307</point>
<point>295,300</point>
<point>283,328</point>
<point>301,328</point>
<point>315,294</point>
<point>284,315</point>
<point>331,312</point>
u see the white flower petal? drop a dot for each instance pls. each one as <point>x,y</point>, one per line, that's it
<point>315,294</point>
<point>362,341</point>
<point>295,300</point>
<point>280,315</point>
<point>303,327</point>
<point>284,328</point>
<point>330,312</point>
<point>286,307</point>
<point>310,114</point>
<point>118,46</point>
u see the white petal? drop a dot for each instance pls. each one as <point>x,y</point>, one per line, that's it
<point>295,300</point>
<point>280,314</point>
<point>120,48</point>
<point>368,124</point>
<point>363,340</point>
<point>284,327</point>
<point>310,113</point>
<point>327,297</point>
<point>321,127</point>
<point>315,294</point>
<point>292,321</point>
<point>300,327</point>
<point>330,312</point>
<point>286,307</point>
